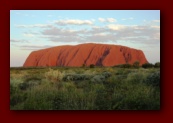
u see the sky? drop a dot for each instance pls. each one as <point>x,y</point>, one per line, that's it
<point>32,30</point>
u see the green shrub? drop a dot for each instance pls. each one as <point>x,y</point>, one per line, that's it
<point>92,65</point>
<point>119,72</point>
<point>127,66</point>
<point>76,77</point>
<point>17,97</point>
<point>102,102</point>
<point>58,102</point>
<point>98,79</point>
<point>153,79</point>
<point>29,81</point>
<point>54,75</point>
<point>147,65</point>
<point>157,65</point>
<point>106,74</point>
<point>135,78</point>
<point>136,64</point>
<point>124,66</point>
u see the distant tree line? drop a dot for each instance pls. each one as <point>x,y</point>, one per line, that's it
<point>136,64</point>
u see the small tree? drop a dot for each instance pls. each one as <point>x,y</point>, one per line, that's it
<point>123,66</point>
<point>126,65</point>
<point>83,65</point>
<point>147,65</point>
<point>136,64</point>
<point>92,65</point>
<point>157,65</point>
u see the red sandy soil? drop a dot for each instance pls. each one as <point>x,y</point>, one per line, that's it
<point>90,53</point>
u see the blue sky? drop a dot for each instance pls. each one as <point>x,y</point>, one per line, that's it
<point>37,29</point>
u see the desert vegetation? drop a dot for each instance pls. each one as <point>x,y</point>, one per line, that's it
<point>123,87</point>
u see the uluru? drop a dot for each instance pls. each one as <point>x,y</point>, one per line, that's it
<point>85,54</point>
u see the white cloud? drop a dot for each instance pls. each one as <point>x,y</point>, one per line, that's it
<point>34,47</point>
<point>157,36</point>
<point>137,27</point>
<point>22,26</point>
<point>59,32</point>
<point>28,35</point>
<point>74,22</point>
<point>141,34</point>
<point>96,27</point>
<point>35,25</point>
<point>111,20</point>
<point>110,32</point>
<point>18,41</point>
<point>101,19</point>
<point>157,21</point>
<point>156,27</point>
<point>116,26</point>
<point>101,37</point>
<point>124,19</point>
<point>100,34</point>
<point>13,40</point>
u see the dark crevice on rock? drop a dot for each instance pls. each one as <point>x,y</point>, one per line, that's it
<point>85,61</point>
<point>100,60</point>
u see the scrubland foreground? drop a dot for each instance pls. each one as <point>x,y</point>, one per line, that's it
<point>84,88</point>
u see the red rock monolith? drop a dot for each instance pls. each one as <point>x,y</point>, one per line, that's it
<point>90,53</point>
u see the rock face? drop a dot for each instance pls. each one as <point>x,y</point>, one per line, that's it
<point>90,53</point>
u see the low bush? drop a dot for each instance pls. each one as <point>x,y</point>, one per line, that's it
<point>136,64</point>
<point>77,77</point>
<point>135,78</point>
<point>58,102</point>
<point>147,65</point>
<point>124,66</point>
<point>16,96</point>
<point>106,74</point>
<point>29,81</point>
<point>54,75</point>
<point>157,65</point>
<point>153,79</point>
<point>102,102</point>
<point>98,79</point>
<point>92,65</point>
